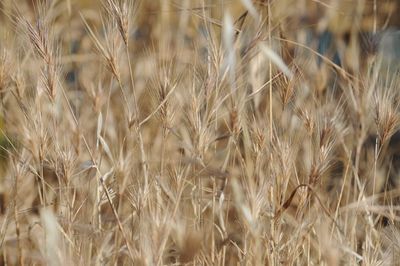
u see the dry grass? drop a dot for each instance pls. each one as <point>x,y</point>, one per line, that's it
<point>199,132</point>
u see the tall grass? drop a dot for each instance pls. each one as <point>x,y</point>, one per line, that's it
<point>199,132</point>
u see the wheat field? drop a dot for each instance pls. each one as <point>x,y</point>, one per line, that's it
<point>200,132</point>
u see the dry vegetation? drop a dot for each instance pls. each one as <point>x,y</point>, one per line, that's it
<point>199,132</point>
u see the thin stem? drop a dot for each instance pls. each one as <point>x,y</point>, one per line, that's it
<point>138,127</point>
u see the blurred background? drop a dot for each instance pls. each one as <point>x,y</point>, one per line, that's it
<point>178,46</point>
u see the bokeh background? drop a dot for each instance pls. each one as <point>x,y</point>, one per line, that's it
<point>227,132</point>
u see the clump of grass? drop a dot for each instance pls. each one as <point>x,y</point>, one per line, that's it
<point>185,132</point>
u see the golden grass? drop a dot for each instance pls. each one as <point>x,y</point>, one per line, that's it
<point>199,132</point>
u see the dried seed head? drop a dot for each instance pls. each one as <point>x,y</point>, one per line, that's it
<point>307,118</point>
<point>386,115</point>
<point>49,79</point>
<point>234,121</point>
<point>121,11</point>
<point>39,37</point>
<point>287,90</point>
<point>42,41</point>
<point>109,48</point>
<point>4,72</point>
